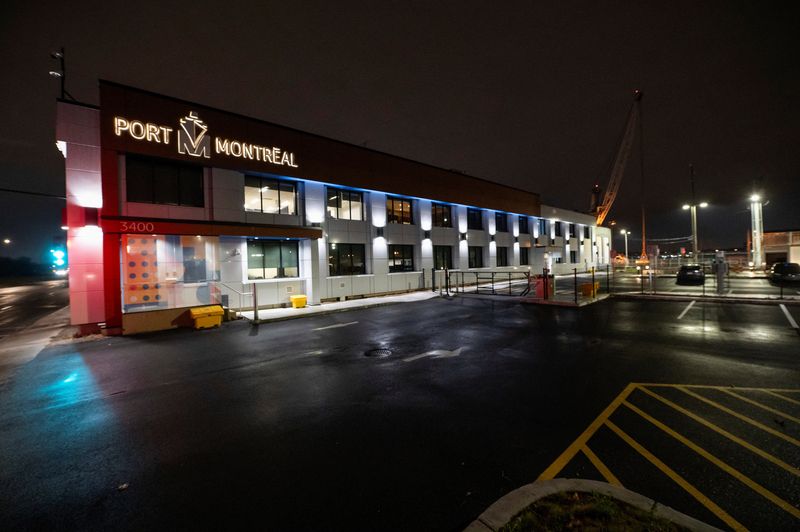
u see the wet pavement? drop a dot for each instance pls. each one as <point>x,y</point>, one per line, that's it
<point>22,304</point>
<point>289,425</point>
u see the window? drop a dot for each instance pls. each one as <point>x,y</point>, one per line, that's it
<point>272,196</point>
<point>398,211</point>
<point>443,257</point>
<point>558,228</point>
<point>475,257</point>
<point>345,204</point>
<point>523,256</point>
<point>271,259</point>
<point>501,222</point>
<point>163,182</point>
<point>573,257</point>
<point>401,258</point>
<point>441,215</point>
<point>559,260</point>
<point>542,227</point>
<point>524,229</point>
<point>474,219</point>
<point>346,259</point>
<point>586,232</point>
<point>502,256</point>
<point>571,231</point>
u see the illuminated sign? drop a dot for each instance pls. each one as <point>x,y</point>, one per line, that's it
<point>193,140</point>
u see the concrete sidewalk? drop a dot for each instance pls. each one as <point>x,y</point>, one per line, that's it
<point>22,347</point>
<point>279,314</point>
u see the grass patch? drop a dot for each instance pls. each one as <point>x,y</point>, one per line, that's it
<point>574,510</point>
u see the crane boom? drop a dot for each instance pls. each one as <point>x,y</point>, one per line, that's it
<point>621,160</point>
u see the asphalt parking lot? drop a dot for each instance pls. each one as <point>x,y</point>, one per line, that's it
<point>413,416</point>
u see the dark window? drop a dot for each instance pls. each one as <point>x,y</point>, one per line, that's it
<point>557,226</point>
<point>586,232</point>
<point>163,182</point>
<point>523,256</point>
<point>573,257</point>
<point>398,211</point>
<point>272,196</point>
<point>502,256</point>
<point>501,222</point>
<point>401,258</point>
<point>443,257</point>
<point>559,260</point>
<point>571,231</point>
<point>474,219</point>
<point>524,229</point>
<point>542,227</point>
<point>475,257</point>
<point>345,204</point>
<point>271,259</point>
<point>441,215</point>
<point>346,259</point>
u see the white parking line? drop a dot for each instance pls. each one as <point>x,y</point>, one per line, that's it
<point>687,308</point>
<point>335,326</point>
<point>789,316</point>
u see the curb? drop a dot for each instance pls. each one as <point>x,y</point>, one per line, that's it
<point>504,509</point>
<point>715,299</point>
<point>332,311</point>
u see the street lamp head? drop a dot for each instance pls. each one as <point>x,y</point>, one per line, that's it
<point>56,54</point>
<point>686,207</point>
<point>6,241</point>
<point>622,232</point>
<point>755,198</point>
<point>56,74</point>
<point>704,204</point>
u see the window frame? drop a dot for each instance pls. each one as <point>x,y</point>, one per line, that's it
<point>474,214</point>
<point>524,252</point>
<point>571,231</point>
<point>448,259</point>
<point>543,227</point>
<point>339,248</point>
<point>438,216</point>
<point>180,181</point>
<point>500,222</point>
<point>524,221</point>
<point>278,182</point>
<point>390,212</point>
<point>477,253</point>
<point>559,230</point>
<point>339,201</point>
<point>407,254</point>
<point>504,254</point>
<point>280,244</point>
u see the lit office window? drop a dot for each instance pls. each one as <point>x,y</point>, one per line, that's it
<point>401,258</point>
<point>398,211</point>
<point>150,180</point>
<point>524,259</point>
<point>270,195</point>
<point>441,215</point>
<point>524,228</point>
<point>346,259</point>
<point>475,257</point>
<point>345,204</point>
<point>272,259</point>
<point>501,222</point>
<point>474,219</point>
<point>502,256</point>
<point>443,257</point>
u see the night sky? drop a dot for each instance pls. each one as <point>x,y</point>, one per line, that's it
<point>533,96</point>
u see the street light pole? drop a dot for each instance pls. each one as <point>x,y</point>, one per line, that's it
<point>625,233</point>
<point>693,208</point>
<point>757,221</point>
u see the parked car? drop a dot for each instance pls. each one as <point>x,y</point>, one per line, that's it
<point>785,273</point>
<point>691,274</point>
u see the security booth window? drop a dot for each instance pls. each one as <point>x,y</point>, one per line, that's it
<point>501,222</point>
<point>345,204</point>
<point>558,228</point>
<point>401,258</point>
<point>268,195</point>
<point>475,257</point>
<point>346,259</point>
<point>441,215</point>
<point>571,231</point>
<point>443,257</point>
<point>542,227</point>
<point>474,219</point>
<point>398,211</point>
<point>149,180</point>
<point>524,229</point>
<point>272,259</point>
<point>523,256</point>
<point>502,256</point>
<point>168,271</point>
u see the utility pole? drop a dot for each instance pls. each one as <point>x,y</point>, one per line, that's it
<point>757,221</point>
<point>694,214</point>
<point>61,73</point>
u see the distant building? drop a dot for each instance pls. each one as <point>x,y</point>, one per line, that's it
<point>173,204</point>
<point>781,246</point>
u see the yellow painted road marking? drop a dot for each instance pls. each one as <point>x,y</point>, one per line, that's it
<point>677,478</point>
<point>740,416</point>
<point>782,397</point>
<point>578,444</point>
<point>604,470</point>
<point>760,405</point>
<point>747,481</point>
<point>706,386</point>
<point>719,430</point>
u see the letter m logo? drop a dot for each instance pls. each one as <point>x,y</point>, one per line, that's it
<point>192,137</point>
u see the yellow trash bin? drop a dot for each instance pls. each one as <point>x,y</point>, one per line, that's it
<point>298,301</point>
<point>207,317</point>
<point>588,290</point>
